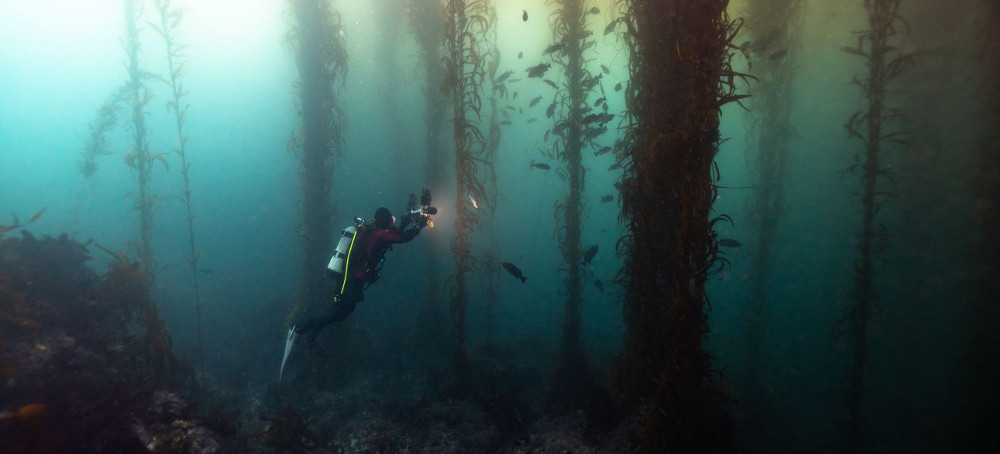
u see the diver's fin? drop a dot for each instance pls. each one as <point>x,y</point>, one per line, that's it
<point>289,343</point>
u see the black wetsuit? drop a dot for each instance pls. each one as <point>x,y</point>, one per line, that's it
<point>375,242</point>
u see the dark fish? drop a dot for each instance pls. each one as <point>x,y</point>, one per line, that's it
<point>524,17</point>
<point>615,166</point>
<point>602,151</point>
<point>538,71</point>
<point>611,26</point>
<point>554,48</point>
<point>514,271</point>
<point>552,84</point>
<point>745,46</point>
<point>506,123</point>
<point>729,242</point>
<point>607,198</point>
<point>207,270</point>
<point>504,77</point>
<point>777,55</point>
<point>535,101</point>
<point>599,101</point>
<point>605,69</point>
<point>532,120</point>
<point>599,118</point>
<point>618,86</point>
<point>539,165</point>
<point>599,285</point>
<point>588,255</point>
<point>618,186</point>
<point>514,80</point>
<point>551,110</point>
<point>594,10</point>
<point>592,133</point>
<point>520,54</point>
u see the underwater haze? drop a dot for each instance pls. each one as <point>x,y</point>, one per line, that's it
<point>176,174</point>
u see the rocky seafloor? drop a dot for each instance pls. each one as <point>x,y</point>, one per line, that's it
<point>86,366</point>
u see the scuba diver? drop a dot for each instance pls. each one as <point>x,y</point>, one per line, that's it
<point>357,263</point>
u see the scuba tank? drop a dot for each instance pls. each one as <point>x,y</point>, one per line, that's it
<point>338,266</point>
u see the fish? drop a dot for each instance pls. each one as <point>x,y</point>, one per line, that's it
<point>538,71</point>
<point>599,285</point>
<point>551,84</point>
<point>592,133</point>
<point>514,271</point>
<point>594,10</point>
<point>588,255</point>
<point>539,165</point>
<point>599,101</point>
<point>618,186</point>
<point>618,86</point>
<point>207,270</point>
<point>547,132</point>
<point>599,118</point>
<point>532,120</point>
<point>504,77</point>
<point>535,101</point>
<point>607,198</point>
<point>602,151</point>
<point>615,166</point>
<point>777,55</point>
<point>520,54</point>
<point>611,26</point>
<point>474,204</point>
<point>506,123</point>
<point>514,80</point>
<point>554,48</point>
<point>605,69</point>
<point>524,16</point>
<point>745,46</point>
<point>729,242</point>
<point>551,110</point>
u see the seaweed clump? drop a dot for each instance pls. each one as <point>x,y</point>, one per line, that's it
<point>89,360</point>
<point>681,75</point>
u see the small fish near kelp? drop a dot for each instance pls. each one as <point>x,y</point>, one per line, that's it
<point>589,254</point>
<point>607,198</point>
<point>514,271</point>
<point>539,165</point>
<point>729,242</point>
<point>538,71</point>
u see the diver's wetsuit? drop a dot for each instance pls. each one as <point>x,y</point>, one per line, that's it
<point>375,242</point>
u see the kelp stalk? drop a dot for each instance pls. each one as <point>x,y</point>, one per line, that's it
<point>681,75</point>
<point>139,157</point>
<point>321,57</point>
<point>170,19</point>
<point>427,21</point>
<point>572,377</point>
<point>871,125</point>
<point>772,25</point>
<point>467,24</point>
<point>983,352</point>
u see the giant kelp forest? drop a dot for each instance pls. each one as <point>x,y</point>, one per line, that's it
<point>661,226</point>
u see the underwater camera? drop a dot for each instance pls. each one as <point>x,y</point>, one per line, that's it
<point>423,211</point>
